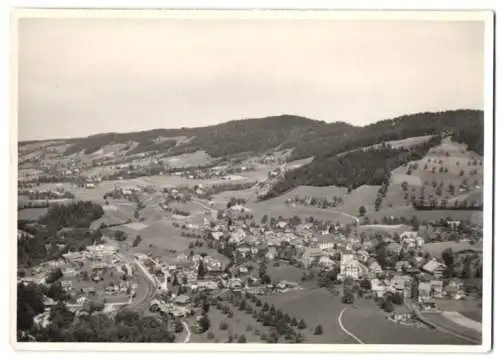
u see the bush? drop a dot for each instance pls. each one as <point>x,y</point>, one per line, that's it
<point>210,335</point>
<point>318,330</point>
<point>242,339</point>
<point>223,326</point>
<point>302,324</point>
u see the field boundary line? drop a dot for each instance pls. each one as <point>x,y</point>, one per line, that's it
<point>345,330</point>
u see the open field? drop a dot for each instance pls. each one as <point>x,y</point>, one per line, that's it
<point>463,321</point>
<point>316,307</point>
<point>198,158</point>
<point>311,191</point>
<point>115,213</point>
<point>476,217</point>
<point>299,163</point>
<point>436,248</point>
<point>284,272</point>
<point>162,234</point>
<point>275,208</point>
<point>237,325</point>
<point>379,228</point>
<point>409,142</point>
<point>469,307</point>
<point>31,213</point>
<point>370,325</point>
<point>439,320</point>
<point>361,196</point>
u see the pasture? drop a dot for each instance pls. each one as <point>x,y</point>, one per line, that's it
<point>362,196</point>
<point>284,272</point>
<point>275,208</point>
<point>409,142</point>
<point>316,307</point>
<point>198,158</point>
<point>319,192</point>
<point>31,214</point>
<point>436,248</point>
<point>240,323</point>
<point>475,217</point>
<point>370,325</point>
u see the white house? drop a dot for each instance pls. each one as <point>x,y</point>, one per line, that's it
<point>349,267</point>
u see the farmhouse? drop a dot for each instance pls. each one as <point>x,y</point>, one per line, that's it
<point>182,299</point>
<point>401,285</point>
<point>434,267</point>
<point>374,267</point>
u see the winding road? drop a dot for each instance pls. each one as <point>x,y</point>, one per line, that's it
<point>150,292</point>
<point>345,330</point>
<point>188,331</point>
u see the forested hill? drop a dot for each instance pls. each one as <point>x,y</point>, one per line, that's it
<point>466,126</point>
<point>305,136</point>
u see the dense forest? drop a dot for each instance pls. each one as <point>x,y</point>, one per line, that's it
<point>330,141</point>
<point>61,229</point>
<point>126,326</point>
<point>228,138</point>
<point>307,137</point>
<point>362,167</point>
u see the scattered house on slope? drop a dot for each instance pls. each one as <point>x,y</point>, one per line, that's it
<point>374,266</point>
<point>401,284</point>
<point>434,267</point>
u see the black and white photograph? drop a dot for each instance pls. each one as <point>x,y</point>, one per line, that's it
<point>203,178</point>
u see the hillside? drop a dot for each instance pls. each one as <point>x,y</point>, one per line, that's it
<point>342,155</point>
<point>232,137</point>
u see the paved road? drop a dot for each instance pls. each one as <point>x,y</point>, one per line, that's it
<point>188,331</point>
<point>150,292</point>
<point>345,330</point>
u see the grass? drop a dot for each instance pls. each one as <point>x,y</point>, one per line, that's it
<point>476,217</point>
<point>237,325</point>
<point>31,213</point>
<point>370,325</point>
<point>197,158</point>
<point>316,307</point>
<point>447,324</point>
<point>284,272</point>
<point>276,207</point>
<point>436,248</point>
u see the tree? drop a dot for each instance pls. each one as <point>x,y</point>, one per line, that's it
<point>362,211</point>
<point>348,297</point>
<point>264,219</point>
<point>318,330</point>
<point>201,270</point>
<point>397,299</point>
<point>448,257</point>
<point>203,323</point>
<point>387,306</point>
<point>302,324</point>
<point>57,292</point>
<point>365,284</point>
<point>293,323</point>
<point>137,240</point>
<point>242,339</point>
<point>54,275</point>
